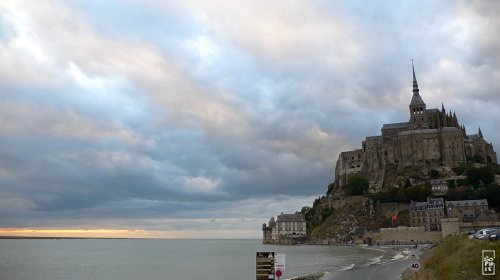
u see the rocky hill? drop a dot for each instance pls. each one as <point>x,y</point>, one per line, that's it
<point>349,221</point>
<point>343,214</point>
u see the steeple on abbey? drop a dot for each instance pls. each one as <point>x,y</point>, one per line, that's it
<point>431,137</point>
<point>417,106</point>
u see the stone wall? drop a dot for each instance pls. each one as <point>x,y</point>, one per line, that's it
<point>291,240</point>
<point>404,235</point>
<point>449,226</point>
<point>331,202</point>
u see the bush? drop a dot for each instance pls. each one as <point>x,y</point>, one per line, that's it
<point>325,213</point>
<point>451,184</point>
<point>357,184</point>
<point>495,168</point>
<point>460,169</point>
<point>486,175</point>
<point>493,196</point>
<point>330,188</point>
<point>434,174</point>
<point>393,194</point>
<point>418,193</point>
<point>473,177</point>
<point>478,176</point>
<point>478,158</point>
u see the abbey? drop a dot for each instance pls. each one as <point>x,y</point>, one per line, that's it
<point>431,137</point>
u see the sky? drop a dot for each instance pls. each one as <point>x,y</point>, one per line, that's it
<point>203,119</point>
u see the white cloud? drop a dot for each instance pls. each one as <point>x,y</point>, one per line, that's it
<point>201,184</point>
<point>218,105</point>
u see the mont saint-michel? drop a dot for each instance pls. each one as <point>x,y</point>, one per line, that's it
<point>431,137</point>
<point>422,179</point>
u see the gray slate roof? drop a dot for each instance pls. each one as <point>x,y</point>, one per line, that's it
<point>297,217</point>
<point>416,100</point>
<point>462,203</point>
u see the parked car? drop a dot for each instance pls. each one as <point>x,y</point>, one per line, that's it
<point>471,233</point>
<point>483,233</point>
<point>494,235</point>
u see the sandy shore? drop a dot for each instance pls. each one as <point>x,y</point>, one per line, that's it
<point>384,271</point>
<point>392,270</point>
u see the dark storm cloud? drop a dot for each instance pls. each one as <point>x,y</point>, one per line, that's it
<point>190,115</point>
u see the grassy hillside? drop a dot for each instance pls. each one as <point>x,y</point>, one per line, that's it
<point>458,257</point>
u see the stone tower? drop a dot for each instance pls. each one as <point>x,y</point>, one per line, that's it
<point>417,107</point>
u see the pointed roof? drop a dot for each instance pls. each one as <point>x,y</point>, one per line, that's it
<point>480,133</point>
<point>415,84</point>
<point>416,99</point>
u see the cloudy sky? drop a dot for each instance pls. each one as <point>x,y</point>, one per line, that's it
<point>205,118</point>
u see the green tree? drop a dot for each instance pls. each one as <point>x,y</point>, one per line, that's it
<point>478,158</point>
<point>468,193</point>
<point>486,175</point>
<point>434,173</point>
<point>493,196</point>
<point>357,184</point>
<point>451,184</point>
<point>495,168</point>
<point>460,169</point>
<point>418,193</point>
<point>400,196</point>
<point>325,213</point>
<point>473,176</point>
<point>330,188</point>
<point>407,183</point>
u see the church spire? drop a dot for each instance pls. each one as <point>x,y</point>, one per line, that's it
<point>480,133</point>
<point>416,100</point>
<point>418,112</point>
<point>415,84</point>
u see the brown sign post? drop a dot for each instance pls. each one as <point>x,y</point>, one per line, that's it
<point>265,265</point>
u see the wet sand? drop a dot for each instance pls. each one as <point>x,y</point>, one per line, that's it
<point>391,270</point>
<point>384,271</point>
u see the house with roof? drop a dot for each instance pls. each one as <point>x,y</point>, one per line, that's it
<point>427,214</point>
<point>469,211</point>
<point>285,226</point>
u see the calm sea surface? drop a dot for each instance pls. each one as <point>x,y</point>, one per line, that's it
<point>170,259</point>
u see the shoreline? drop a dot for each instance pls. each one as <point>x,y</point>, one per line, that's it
<point>395,269</point>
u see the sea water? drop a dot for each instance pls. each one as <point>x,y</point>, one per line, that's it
<point>119,259</point>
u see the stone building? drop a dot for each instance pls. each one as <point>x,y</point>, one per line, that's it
<point>430,137</point>
<point>438,186</point>
<point>291,224</point>
<point>267,231</point>
<point>286,225</point>
<point>468,211</point>
<point>427,214</point>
